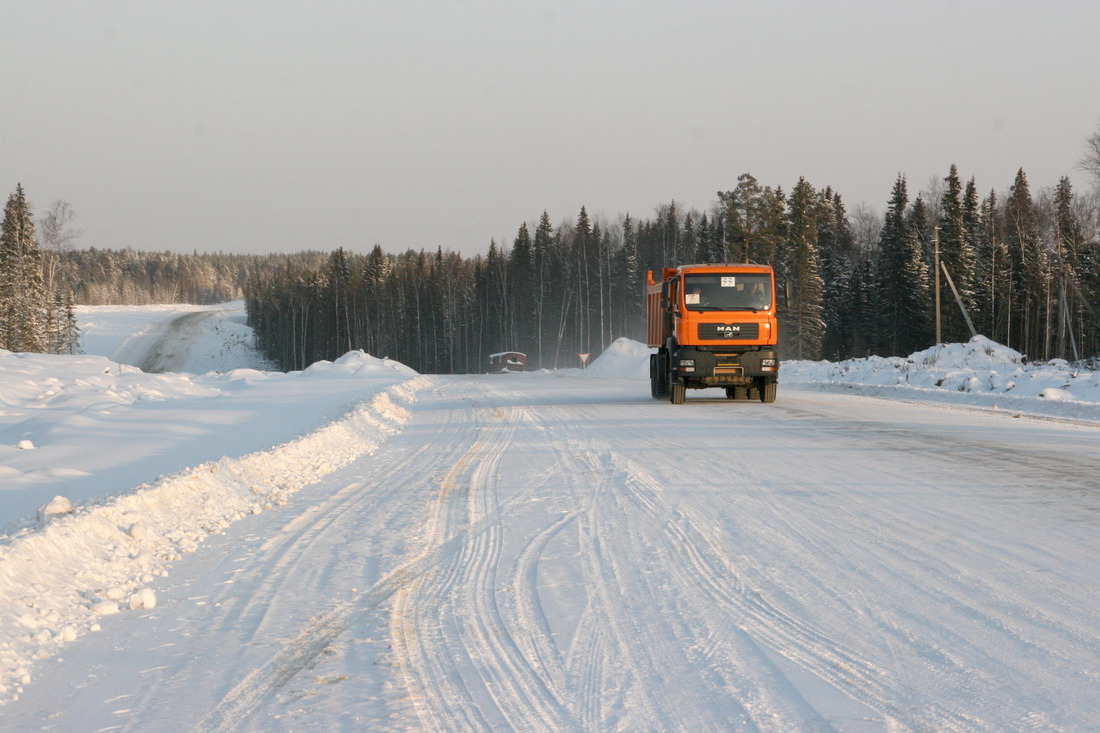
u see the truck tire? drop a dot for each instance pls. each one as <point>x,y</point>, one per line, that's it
<point>737,393</point>
<point>678,392</point>
<point>662,374</point>
<point>767,391</point>
<point>654,377</point>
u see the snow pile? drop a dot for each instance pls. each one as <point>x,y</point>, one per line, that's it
<point>623,359</point>
<point>98,559</point>
<point>82,436</point>
<point>980,373</point>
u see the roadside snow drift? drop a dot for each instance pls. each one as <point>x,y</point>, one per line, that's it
<point>108,474</point>
<point>980,373</point>
<point>95,561</point>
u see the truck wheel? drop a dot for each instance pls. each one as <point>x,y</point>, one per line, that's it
<point>767,391</point>
<point>679,391</point>
<point>658,375</point>
<point>662,375</point>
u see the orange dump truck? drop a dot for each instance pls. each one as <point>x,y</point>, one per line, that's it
<point>713,326</point>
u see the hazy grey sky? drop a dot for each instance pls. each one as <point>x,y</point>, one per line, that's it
<point>271,126</point>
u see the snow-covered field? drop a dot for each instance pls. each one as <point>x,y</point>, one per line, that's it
<point>355,546</point>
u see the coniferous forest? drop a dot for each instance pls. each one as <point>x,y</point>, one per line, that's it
<point>1020,268</point>
<point>1024,269</point>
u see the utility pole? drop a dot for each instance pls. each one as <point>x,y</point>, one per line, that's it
<point>958,299</point>
<point>936,249</point>
<point>1062,314</point>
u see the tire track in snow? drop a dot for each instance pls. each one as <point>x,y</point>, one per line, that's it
<point>165,344</point>
<point>925,571</point>
<point>937,648</point>
<point>844,665</point>
<point>630,606</point>
<point>538,644</point>
<point>470,674</point>
<point>383,490</point>
<point>705,569</point>
<point>677,625</point>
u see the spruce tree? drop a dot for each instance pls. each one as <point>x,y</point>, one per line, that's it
<point>336,313</point>
<point>922,229</point>
<point>632,284</point>
<point>705,250</point>
<point>689,245</point>
<point>584,262</point>
<point>523,282</point>
<point>1072,269</point>
<point>541,256</point>
<point>975,232</point>
<point>864,305</point>
<point>803,325</point>
<point>69,336</point>
<point>836,248</point>
<point>771,235</point>
<point>22,300</point>
<point>1028,271</point>
<point>994,290</point>
<point>498,329</point>
<point>957,257</point>
<point>901,284</point>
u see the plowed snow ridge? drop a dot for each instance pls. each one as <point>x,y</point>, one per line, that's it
<point>127,541</point>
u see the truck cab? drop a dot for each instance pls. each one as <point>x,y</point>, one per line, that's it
<point>713,326</point>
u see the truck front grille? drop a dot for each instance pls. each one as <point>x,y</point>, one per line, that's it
<point>729,331</point>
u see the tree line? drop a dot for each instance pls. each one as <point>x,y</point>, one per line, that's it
<point>1023,270</point>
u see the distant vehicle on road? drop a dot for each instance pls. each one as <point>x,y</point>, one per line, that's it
<point>507,361</point>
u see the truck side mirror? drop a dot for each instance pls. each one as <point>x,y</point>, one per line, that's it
<point>668,296</point>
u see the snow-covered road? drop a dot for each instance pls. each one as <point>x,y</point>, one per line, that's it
<point>546,552</point>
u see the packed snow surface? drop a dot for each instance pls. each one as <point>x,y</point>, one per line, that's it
<point>894,544</point>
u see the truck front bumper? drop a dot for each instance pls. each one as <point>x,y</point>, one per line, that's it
<point>721,366</point>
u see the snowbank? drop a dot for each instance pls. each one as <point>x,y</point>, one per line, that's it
<point>81,438</point>
<point>97,559</point>
<point>623,359</point>
<point>980,373</point>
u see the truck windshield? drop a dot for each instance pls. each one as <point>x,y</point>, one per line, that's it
<point>734,292</point>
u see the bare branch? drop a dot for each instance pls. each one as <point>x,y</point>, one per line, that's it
<point>1091,162</point>
<point>54,226</point>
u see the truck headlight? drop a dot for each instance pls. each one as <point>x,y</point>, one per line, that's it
<point>768,362</point>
